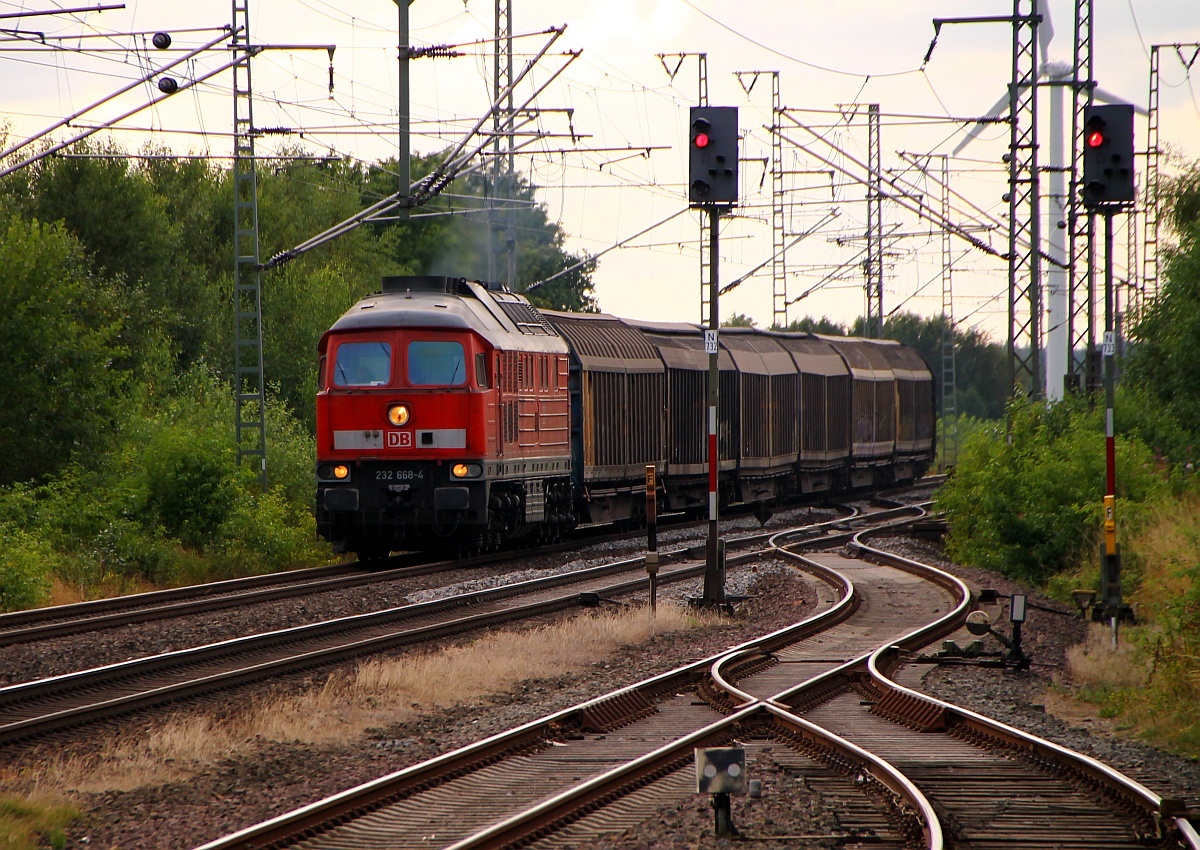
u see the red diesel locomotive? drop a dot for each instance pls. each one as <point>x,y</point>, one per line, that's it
<point>452,414</point>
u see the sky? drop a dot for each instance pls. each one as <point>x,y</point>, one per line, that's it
<point>614,165</point>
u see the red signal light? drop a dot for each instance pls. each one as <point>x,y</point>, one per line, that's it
<point>701,140</point>
<point>1095,139</point>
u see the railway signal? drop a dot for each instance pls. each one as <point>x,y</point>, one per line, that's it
<point>713,185</point>
<point>1108,174</point>
<point>713,155</point>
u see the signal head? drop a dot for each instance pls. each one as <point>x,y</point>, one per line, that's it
<point>713,155</point>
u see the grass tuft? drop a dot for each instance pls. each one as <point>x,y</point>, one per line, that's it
<point>1097,667</point>
<point>29,825</point>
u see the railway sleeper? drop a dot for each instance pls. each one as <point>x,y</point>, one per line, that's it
<point>899,816</point>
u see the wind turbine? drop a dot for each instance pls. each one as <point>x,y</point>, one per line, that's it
<point>1058,307</point>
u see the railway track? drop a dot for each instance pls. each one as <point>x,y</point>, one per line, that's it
<point>39,624</point>
<point>50,705</point>
<point>823,700</point>
<point>64,620</point>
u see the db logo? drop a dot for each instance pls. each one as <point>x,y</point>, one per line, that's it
<point>399,439</point>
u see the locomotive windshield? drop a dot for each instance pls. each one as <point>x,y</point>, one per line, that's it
<point>363,364</point>
<point>436,363</point>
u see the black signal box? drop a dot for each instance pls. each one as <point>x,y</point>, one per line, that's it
<point>713,155</point>
<point>1108,173</point>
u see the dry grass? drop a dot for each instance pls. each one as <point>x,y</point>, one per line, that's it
<point>1150,687</point>
<point>65,593</point>
<point>1169,548</point>
<point>377,694</point>
<point>1095,665</point>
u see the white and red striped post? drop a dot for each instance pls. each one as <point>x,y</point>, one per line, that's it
<point>714,572</point>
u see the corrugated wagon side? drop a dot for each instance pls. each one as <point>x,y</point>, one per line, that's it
<point>768,409</point>
<point>873,410</point>
<point>915,411</point>
<point>825,412</point>
<point>618,406</point>
<point>681,349</point>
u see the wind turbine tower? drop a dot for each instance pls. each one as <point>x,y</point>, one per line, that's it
<point>1058,306</point>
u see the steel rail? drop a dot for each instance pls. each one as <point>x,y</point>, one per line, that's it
<point>81,617</point>
<point>114,673</point>
<point>556,810</point>
<point>369,797</point>
<point>121,675</point>
<point>1163,812</point>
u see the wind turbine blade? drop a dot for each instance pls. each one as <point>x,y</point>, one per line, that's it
<point>1045,31</point>
<point>998,108</point>
<point>1105,96</point>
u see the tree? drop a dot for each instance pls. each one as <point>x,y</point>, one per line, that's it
<point>60,342</point>
<point>153,228</point>
<point>979,364</point>
<point>1165,355</point>
<point>810,325</point>
<point>739,320</point>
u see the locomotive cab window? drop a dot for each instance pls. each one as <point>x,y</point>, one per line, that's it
<point>481,376</point>
<point>436,363</point>
<point>363,364</point>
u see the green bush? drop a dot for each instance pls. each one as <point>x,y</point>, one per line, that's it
<point>125,549</point>
<point>291,459</point>
<point>169,504</point>
<point>25,566</point>
<point>190,483</point>
<point>263,535</point>
<point>1031,506</point>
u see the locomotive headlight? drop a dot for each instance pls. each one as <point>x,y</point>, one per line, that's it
<point>466,470</point>
<point>399,414</point>
<point>332,472</point>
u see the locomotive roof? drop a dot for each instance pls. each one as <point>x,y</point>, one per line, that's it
<point>506,320</point>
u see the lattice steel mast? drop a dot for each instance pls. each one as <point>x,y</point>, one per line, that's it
<point>874,262</point>
<point>1024,205</point>
<point>949,370</point>
<point>1150,204</point>
<point>707,258</point>
<point>1081,225</point>
<point>1151,219</point>
<point>779,299</point>
<point>249,386</point>
<point>501,212</point>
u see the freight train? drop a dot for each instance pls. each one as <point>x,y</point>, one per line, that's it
<point>453,415</point>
